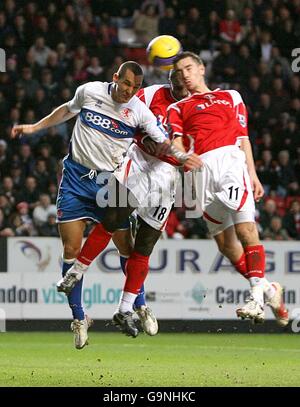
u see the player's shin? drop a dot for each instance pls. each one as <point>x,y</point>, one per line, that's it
<point>241,268</point>
<point>96,242</point>
<point>74,298</point>
<point>140,299</point>
<point>137,267</point>
<point>255,261</point>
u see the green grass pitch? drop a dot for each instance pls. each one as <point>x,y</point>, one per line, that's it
<point>112,359</point>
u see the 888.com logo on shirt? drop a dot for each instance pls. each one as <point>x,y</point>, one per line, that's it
<point>105,124</point>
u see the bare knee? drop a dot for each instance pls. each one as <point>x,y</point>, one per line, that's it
<point>146,239</point>
<point>71,251</point>
<point>123,241</point>
<point>247,234</point>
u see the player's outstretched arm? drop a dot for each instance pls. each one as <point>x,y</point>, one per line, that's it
<point>59,115</point>
<point>190,160</point>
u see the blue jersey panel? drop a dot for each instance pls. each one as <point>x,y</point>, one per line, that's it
<point>78,191</point>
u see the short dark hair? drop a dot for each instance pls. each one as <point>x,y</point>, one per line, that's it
<point>132,66</point>
<point>188,54</point>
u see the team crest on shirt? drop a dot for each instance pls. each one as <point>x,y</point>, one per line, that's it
<point>114,124</point>
<point>209,96</point>
<point>125,113</point>
<point>242,120</point>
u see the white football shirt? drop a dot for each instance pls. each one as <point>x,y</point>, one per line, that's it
<point>104,129</point>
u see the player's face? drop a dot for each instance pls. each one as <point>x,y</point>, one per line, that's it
<point>178,87</point>
<point>126,86</point>
<point>192,73</point>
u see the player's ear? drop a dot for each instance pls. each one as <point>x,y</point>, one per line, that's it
<point>202,69</point>
<point>115,77</point>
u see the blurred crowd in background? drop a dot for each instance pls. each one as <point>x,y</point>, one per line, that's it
<point>53,47</point>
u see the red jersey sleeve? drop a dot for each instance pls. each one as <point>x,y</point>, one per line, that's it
<point>141,95</point>
<point>240,113</point>
<point>175,124</point>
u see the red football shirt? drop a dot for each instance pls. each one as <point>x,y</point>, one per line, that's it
<point>158,98</point>
<point>213,120</point>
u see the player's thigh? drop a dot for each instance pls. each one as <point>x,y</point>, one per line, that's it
<point>123,241</point>
<point>133,174</point>
<point>146,238</point>
<point>158,202</point>
<point>217,218</point>
<point>234,189</point>
<point>71,234</point>
<point>119,209</point>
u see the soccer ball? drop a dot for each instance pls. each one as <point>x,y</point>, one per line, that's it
<point>162,51</point>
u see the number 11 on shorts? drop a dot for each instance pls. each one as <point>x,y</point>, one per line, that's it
<point>231,192</point>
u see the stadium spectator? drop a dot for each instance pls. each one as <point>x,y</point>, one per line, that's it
<point>16,174</point>
<point>196,29</point>
<point>294,86</point>
<point>291,221</point>
<point>5,229</point>
<point>41,104</point>
<point>41,174</point>
<point>95,71</point>
<point>49,228</point>
<point>42,210</point>
<point>28,83</point>
<point>267,213</point>
<point>183,36</point>
<point>266,171</point>
<point>290,138</point>
<point>264,113</point>
<point>244,61</point>
<point>30,193</point>
<point>226,64</point>
<point>159,4</point>
<point>167,23</point>
<point>3,156</point>
<point>275,231</point>
<point>40,51</point>
<point>22,224</point>
<point>213,31</point>
<point>5,205</point>
<point>26,159</point>
<point>230,28</point>
<point>247,21</point>
<point>265,46</point>
<point>287,181</point>
<point>7,189</point>
<point>145,24</point>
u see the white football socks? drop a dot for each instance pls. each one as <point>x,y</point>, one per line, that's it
<point>257,289</point>
<point>126,302</point>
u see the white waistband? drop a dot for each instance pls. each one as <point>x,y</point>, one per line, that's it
<point>219,151</point>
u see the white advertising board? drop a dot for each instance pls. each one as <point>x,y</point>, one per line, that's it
<point>188,279</point>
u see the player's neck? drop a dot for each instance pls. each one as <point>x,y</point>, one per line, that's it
<point>202,89</point>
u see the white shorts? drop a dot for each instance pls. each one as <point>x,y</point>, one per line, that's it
<point>223,189</point>
<point>153,184</point>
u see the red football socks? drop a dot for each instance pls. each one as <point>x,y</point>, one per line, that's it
<point>96,242</point>
<point>137,267</point>
<point>241,266</point>
<point>255,261</point>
